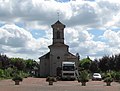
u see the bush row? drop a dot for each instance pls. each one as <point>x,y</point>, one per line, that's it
<point>11,72</point>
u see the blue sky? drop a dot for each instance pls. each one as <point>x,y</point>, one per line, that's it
<point>62,0</point>
<point>92,26</point>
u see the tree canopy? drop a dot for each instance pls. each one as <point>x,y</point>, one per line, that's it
<point>11,66</point>
<point>85,63</point>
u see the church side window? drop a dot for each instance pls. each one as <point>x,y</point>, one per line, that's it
<point>58,35</point>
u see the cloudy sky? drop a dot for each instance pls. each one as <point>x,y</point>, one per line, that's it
<point>92,26</point>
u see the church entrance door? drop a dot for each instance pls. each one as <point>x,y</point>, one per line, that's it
<point>58,71</point>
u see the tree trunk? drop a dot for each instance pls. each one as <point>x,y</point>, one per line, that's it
<point>108,83</point>
<point>50,82</point>
<point>17,82</point>
<point>83,83</point>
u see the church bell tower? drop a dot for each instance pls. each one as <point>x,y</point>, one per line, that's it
<point>58,32</point>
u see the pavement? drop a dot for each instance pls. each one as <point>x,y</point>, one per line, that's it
<point>39,84</point>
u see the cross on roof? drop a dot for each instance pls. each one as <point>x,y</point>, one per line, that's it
<point>58,14</point>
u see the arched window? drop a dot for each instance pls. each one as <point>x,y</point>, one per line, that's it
<point>58,35</point>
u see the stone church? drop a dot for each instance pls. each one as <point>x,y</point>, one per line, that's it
<point>50,63</point>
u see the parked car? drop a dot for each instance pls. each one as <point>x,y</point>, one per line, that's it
<point>96,76</point>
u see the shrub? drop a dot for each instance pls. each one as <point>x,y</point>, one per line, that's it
<point>1,73</point>
<point>105,75</point>
<point>113,73</point>
<point>84,76</point>
<point>108,79</point>
<point>51,79</point>
<point>23,74</point>
<point>117,76</point>
<point>8,72</point>
<point>17,78</point>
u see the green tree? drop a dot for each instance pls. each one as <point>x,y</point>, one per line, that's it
<point>111,63</point>
<point>31,65</point>
<point>19,63</point>
<point>117,62</point>
<point>85,63</point>
<point>4,62</point>
<point>94,66</point>
<point>104,63</point>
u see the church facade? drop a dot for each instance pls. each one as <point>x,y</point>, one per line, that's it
<point>50,63</point>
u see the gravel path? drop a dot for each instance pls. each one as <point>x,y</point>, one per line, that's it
<point>39,84</point>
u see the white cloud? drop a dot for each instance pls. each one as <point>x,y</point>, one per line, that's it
<point>78,16</point>
<point>113,38</point>
<point>11,33</point>
<point>84,13</point>
<point>18,40</point>
<point>80,41</point>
